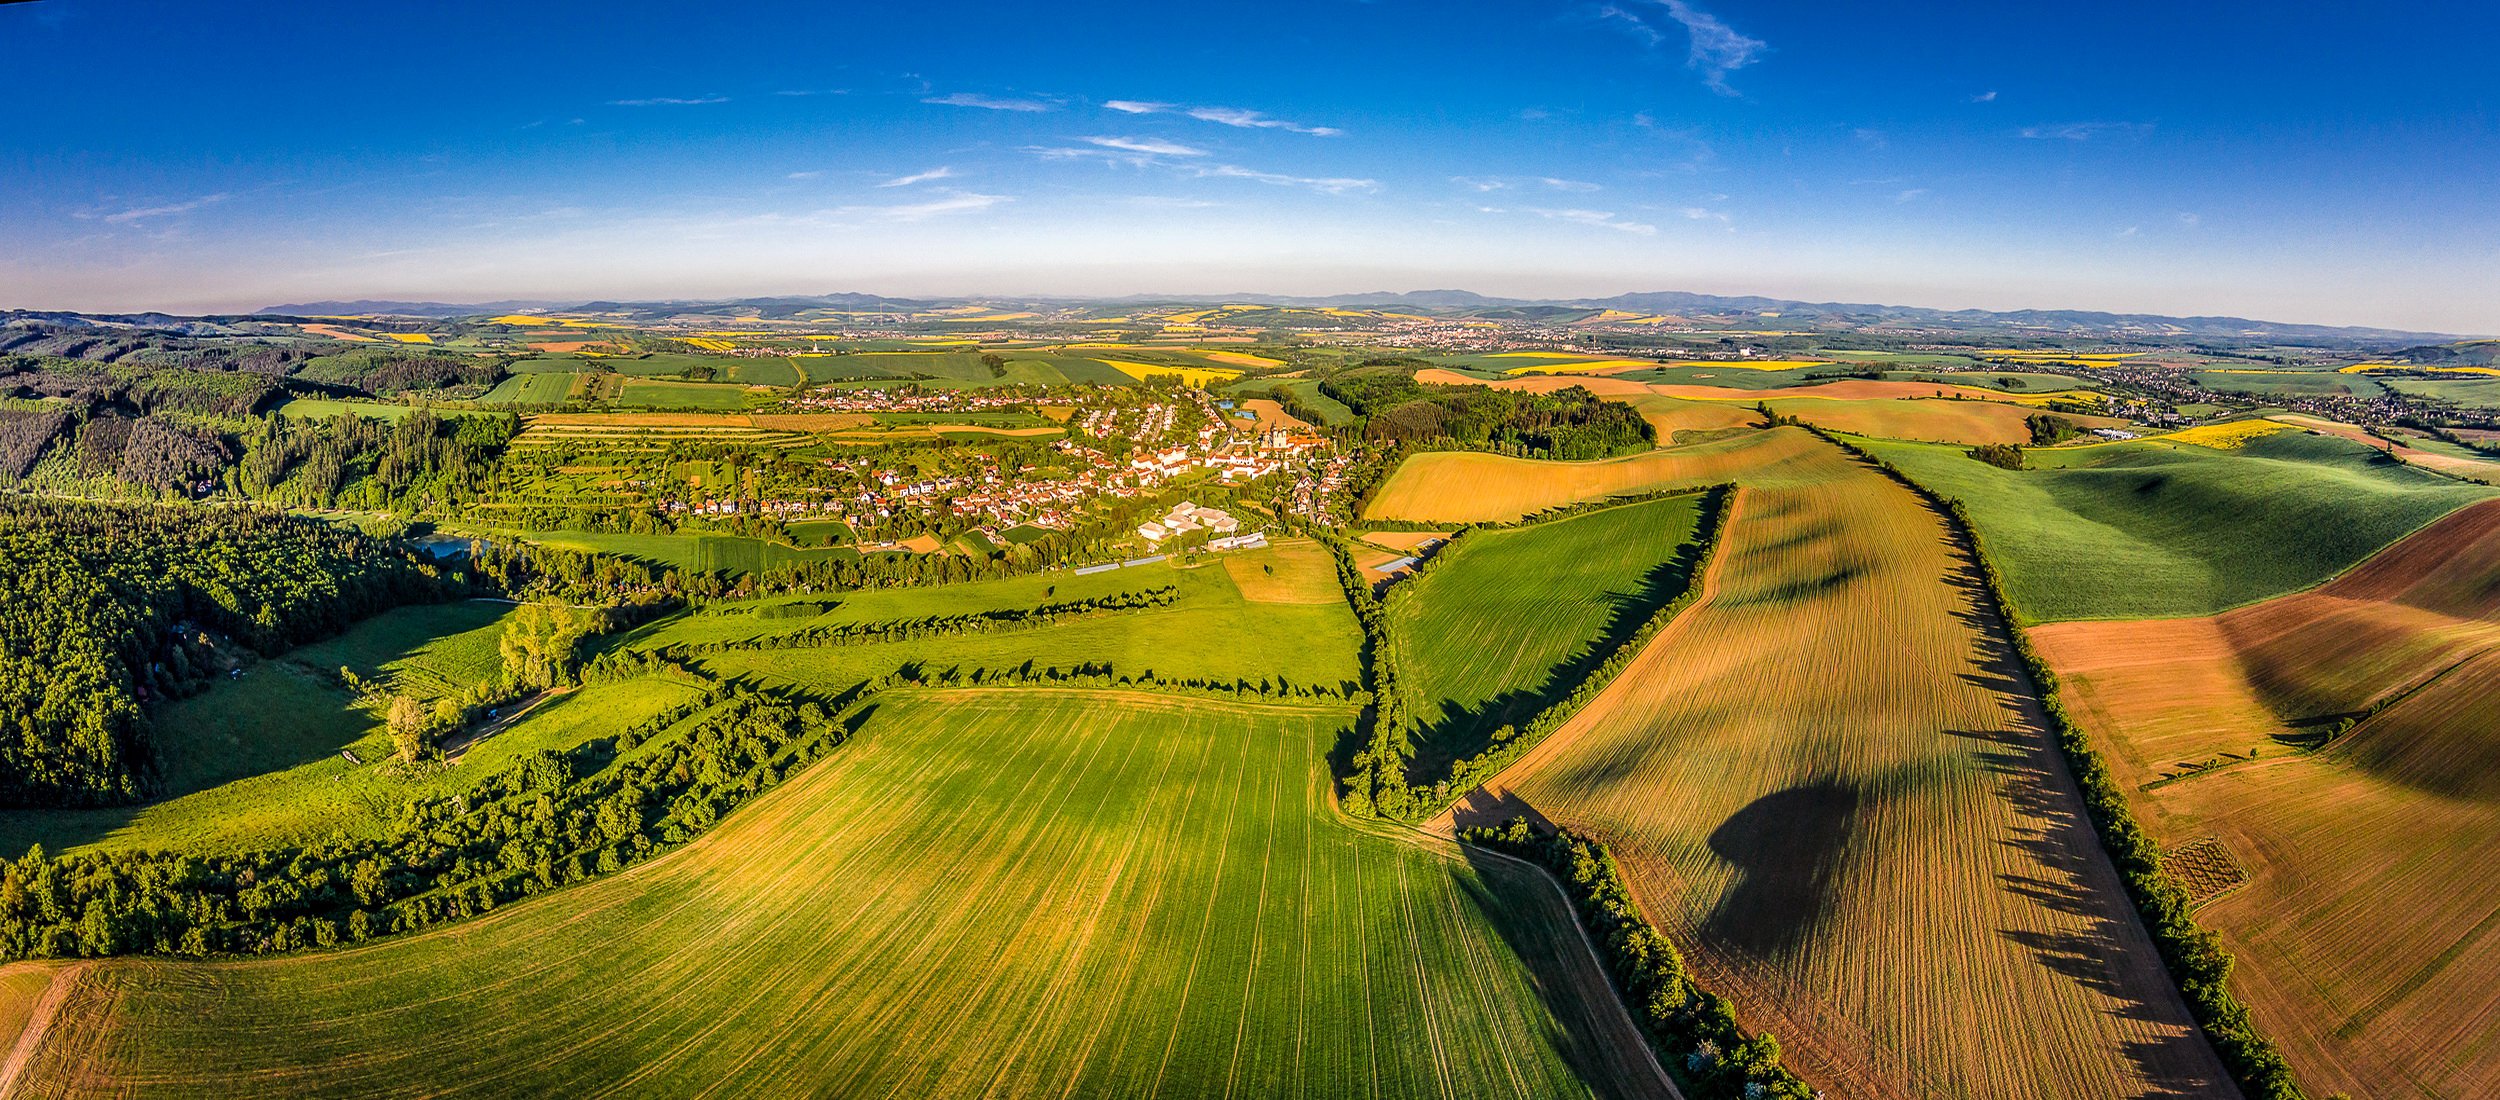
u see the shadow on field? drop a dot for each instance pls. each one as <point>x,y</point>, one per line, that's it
<point>1587,1025</point>
<point>2059,844</point>
<point>1789,848</point>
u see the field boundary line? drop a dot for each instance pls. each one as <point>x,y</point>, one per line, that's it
<point>30,1039</point>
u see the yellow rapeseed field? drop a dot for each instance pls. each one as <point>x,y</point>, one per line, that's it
<point>2227,436</point>
<point>1189,376</point>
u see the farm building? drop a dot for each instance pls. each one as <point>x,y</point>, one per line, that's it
<point>1186,517</point>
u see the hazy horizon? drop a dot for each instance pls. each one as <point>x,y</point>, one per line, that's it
<point>2131,158</point>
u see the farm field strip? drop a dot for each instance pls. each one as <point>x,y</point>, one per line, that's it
<point>2361,951</point>
<point>1473,487</point>
<point>1870,844</point>
<point>1100,849</point>
<point>1482,636</point>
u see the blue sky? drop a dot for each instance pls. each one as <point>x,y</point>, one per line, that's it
<point>2339,166</point>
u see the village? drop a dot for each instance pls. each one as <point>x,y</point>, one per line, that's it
<point>1118,449</point>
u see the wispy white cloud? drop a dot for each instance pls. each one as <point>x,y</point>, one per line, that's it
<point>1632,24</point>
<point>1153,147</point>
<point>2085,131</point>
<point>669,101</point>
<point>805,175</point>
<point>1716,49</point>
<point>940,172</point>
<point>1240,117</point>
<point>2129,231</point>
<point>1989,96</point>
<point>991,103</point>
<point>2190,220</point>
<point>1254,120</point>
<point>144,213</point>
<point>1704,214</point>
<point>1600,219</point>
<point>1483,184</point>
<point>1911,195</point>
<point>798,92</point>
<point>1325,185</point>
<point>957,202</point>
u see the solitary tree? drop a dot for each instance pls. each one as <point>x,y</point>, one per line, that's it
<point>411,726</point>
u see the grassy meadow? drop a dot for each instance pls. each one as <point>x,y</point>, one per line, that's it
<point>257,762</point>
<point>1506,620</point>
<point>2149,529</point>
<point>1822,782</point>
<point>994,894</point>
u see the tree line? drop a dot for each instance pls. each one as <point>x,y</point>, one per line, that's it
<point>993,621</point>
<point>1707,1051</point>
<point>551,819</point>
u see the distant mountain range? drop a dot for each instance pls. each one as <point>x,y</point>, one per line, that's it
<point>1463,303</point>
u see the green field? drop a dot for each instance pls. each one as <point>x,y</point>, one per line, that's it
<point>2009,381</point>
<point>2477,393</point>
<point>819,534</point>
<point>1506,620</point>
<point>2150,530</point>
<point>255,762</point>
<point>961,368</point>
<point>1332,412</point>
<point>646,393</point>
<point>1010,893</point>
<point>1213,632</point>
<point>2287,383</point>
<point>541,388</point>
<point>757,371</point>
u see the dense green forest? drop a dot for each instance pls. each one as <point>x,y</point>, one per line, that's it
<point>1566,424</point>
<point>106,607</point>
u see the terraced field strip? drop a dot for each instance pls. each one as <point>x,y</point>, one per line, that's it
<point>1825,783</point>
<point>984,893</point>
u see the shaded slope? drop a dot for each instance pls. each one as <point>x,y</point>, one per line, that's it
<point>2142,530</point>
